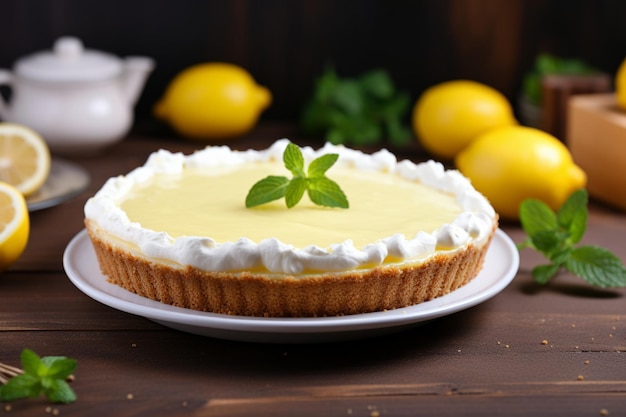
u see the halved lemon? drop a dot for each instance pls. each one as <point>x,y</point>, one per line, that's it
<point>24,158</point>
<point>14,225</point>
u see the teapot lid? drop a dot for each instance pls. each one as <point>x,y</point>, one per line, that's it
<point>69,61</point>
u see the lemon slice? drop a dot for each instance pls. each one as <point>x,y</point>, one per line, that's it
<point>24,158</point>
<point>14,225</point>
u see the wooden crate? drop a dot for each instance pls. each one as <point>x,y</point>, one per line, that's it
<point>596,136</point>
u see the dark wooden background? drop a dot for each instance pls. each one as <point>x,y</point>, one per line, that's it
<point>286,44</point>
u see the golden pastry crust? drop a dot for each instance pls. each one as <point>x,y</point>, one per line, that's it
<point>256,294</point>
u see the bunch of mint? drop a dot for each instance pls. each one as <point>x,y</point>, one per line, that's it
<point>358,111</point>
<point>555,235</point>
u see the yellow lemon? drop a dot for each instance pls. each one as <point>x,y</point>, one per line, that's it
<point>213,101</point>
<point>24,158</point>
<point>513,163</point>
<point>620,85</point>
<point>448,116</point>
<point>14,225</point>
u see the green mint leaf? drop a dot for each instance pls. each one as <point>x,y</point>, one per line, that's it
<point>544,273</point>
<point>394,108</point>
<point>398,133</point>
<point>572,216</point>
<point>326,192</point>
<point>49,360</point>
<point>349,97</point>
<point>336,136</point>
<point>326,85</point>
<point>365,131</point>
<point>294,191</point>
<point>548,64</point>
<point>377,83</point>
<point>268,189</point>
<point>597,266</point>
<point>31,362</point>
<point>561,255</point>
<point>553,245</point>
<point>293,160</point>
<point>59,367</point>
<point>359,129</point>
<point>319,166</point>
<point>536,216</point>
<point>60,392</point>
<point>547,241</point>
<point>20,386</point>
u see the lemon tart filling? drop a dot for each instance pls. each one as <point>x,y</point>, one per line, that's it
<point>189,210</point>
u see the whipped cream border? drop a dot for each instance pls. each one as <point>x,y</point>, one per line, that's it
<point>475,223</point>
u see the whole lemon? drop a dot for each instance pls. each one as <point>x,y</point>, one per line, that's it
<point>620,85</point>
<point>213,100</point>
<point>449,115</point>
<point>513,163</point>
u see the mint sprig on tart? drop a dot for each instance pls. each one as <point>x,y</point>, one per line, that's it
<point>321,190</point>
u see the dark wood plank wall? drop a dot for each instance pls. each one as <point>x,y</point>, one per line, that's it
<point>285,44</point>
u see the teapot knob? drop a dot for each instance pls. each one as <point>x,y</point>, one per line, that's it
<point>68,48</point>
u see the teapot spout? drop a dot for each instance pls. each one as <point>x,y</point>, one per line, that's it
<point>134,77</point>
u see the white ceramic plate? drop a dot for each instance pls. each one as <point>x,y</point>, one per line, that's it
<point>82,268</point>
<point>66,180</point>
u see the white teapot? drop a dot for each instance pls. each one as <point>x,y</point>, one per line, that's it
<point>79,100</point>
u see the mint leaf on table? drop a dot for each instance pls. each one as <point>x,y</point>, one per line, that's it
<point>47,376</point>
<point>600,267</point>
<point>555,236</point>
<point>321,190</point>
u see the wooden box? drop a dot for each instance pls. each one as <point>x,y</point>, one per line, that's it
<point>596,136</point>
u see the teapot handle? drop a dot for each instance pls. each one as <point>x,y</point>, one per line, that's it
<point>6,78</point>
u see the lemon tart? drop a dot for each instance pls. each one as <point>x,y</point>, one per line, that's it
<point>177,230</point>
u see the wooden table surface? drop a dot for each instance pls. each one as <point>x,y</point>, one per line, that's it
<point>558,350</point>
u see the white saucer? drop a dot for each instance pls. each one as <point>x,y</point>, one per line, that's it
<point>66,180</point>
<point>82,268</point>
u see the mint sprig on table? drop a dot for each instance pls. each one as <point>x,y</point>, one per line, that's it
<point>47,376</point>
<point>321,190</point>
<point>555,235</point>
